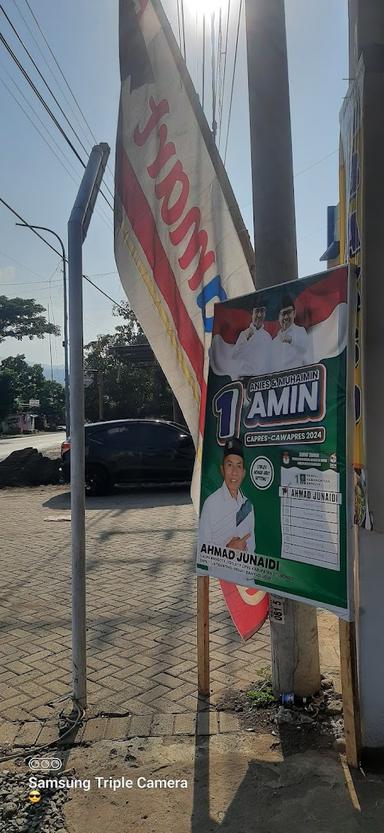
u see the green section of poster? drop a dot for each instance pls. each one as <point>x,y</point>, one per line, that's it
<point>275,489</point>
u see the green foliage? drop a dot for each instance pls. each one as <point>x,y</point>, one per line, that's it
<point>6,394</point>
<point>129,389</point>
<point>261,695</point>
<point>20,382</point>
<point>22,318</point>
<point>52,402</point>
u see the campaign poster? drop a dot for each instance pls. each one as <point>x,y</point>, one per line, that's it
<point>276,508</point>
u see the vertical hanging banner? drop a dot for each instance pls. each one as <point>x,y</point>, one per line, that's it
<point>180,242</point>
<point>351,234</point>
<point>277,474</point>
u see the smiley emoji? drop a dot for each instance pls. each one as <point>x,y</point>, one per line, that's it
<point>34,796</point>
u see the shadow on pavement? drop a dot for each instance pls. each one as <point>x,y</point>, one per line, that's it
<point>308,792</point>
<point>130,498</point>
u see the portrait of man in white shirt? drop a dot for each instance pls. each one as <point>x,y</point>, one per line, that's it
<point>227,517</point>
<point>252,349</point>
<point>292,346</point>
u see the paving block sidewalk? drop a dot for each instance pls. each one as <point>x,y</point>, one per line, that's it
<point>141,608</point>
<point>141,602</point>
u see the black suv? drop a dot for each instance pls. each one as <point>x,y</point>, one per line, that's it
<point>127,451</point>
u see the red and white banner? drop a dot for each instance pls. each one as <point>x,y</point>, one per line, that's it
<point>177,247</point>
<point>180,242</point>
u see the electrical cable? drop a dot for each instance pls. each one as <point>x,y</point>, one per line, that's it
<point>44,138</point>
<point>318,162</point>
<point>203,78</point>
<point>28,283</point>
<point>65,80</point>
<point>213,78</point>
<point>48,109</point>
<point>54,743</point>
<point>221,103</point>
<point>183,28</point>
<point>40,74</point>
<point>60,70</point>
<point>86,278</point>
<point>41,99</point>
<point>27,269</point>
<point>218,55</point>
<point>233,79</point>
<point>179,22</point>
<point>67,161</point>
<point>54,76</point>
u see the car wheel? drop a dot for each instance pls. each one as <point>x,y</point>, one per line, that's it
<point>97,481</point>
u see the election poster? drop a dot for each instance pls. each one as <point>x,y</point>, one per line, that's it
<point>277,475</point>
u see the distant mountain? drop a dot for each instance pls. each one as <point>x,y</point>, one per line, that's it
<point>58,372</point>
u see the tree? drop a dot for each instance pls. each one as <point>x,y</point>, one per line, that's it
<point>20,382</point>
<point>52,402</point>
<point>22,317</point>
<point>129,390</point>
<point>27,379</point>
<point>6,394</point>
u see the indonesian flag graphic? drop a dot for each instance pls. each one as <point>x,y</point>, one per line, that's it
<point>321,312</point>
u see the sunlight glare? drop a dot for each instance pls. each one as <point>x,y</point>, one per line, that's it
<point>206,7</point>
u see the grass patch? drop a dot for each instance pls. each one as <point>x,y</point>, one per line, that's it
<point>261,696</point>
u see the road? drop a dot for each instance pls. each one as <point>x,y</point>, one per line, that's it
<point>42,442</point>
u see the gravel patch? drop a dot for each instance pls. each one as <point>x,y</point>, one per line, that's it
<point>19,815</point>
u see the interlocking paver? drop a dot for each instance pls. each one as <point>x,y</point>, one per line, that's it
<point>141,612</point>
<point>162,725</point>
<point>28,734</point>
<point>140,726</point>
<point>185,724</point>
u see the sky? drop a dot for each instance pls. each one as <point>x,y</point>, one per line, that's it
<point>83,35</point>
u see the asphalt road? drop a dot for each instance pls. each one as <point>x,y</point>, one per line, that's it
<point>42,442</point>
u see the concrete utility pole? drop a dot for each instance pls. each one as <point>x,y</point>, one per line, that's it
<point>366,28</point>
<point>295,649</point>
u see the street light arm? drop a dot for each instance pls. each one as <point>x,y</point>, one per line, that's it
<point>65,341</point>
<point>44,228</point>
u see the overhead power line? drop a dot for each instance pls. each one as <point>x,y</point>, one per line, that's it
<point>57,65</point>
<point>69,88</point>
<point>48,109</point>
<point>221,102</point>
<point>233,79</point>
<point>27,269</point>
<point>41,99</point>
<point>47,243</point>
<point>318,162</point>
<point>183,29</point>
<point>29,283</point>
<point>44,138</point>
<point>53,74</point>
<point>74,178</point>
<point>45,82</point>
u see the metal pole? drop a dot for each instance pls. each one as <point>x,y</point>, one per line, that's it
<point>66,349</point>
<point>77,465</point>
<point>77,229</point>
<point>295,649</point>
<point>65,341</point>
